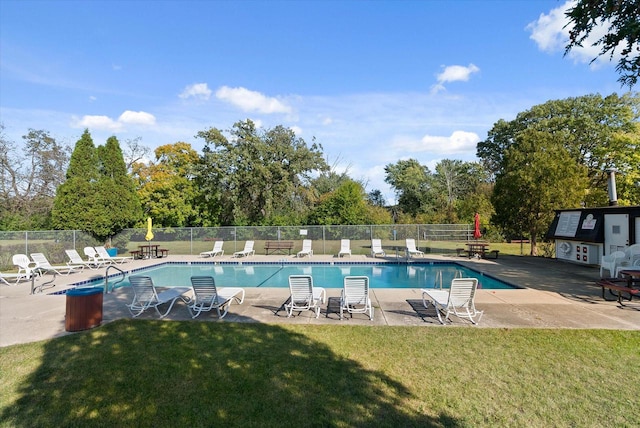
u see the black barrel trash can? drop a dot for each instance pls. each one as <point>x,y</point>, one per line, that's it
<point>84,308</point>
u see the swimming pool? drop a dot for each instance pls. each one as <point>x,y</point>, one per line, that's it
<point>328,275</point>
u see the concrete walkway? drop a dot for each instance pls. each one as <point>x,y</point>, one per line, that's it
<point>555,295</point>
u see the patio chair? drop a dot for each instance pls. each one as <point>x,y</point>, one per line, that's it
<point>26,267</point>
<point>76,260</point>
<point>306,248</point>
<point>104,255</point>
<point>345,248</point>
<point>145,296</point>
<point>631,259</point>
<point>376,248</point>
<point>217,250</point>
<point>94,257</point>
<point>609,263</point>
<point>248,250</point>
<point>355,296</point>
<point>304,296</point>
<point>411,248</point>
<point>5,276</point>
<point>206,296</point>
<point>42,262</point>
<point>458,300</point>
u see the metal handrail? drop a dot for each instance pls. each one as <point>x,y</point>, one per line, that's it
<point>106,278</point>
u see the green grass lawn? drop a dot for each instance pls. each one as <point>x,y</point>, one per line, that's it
<point>171,374</point>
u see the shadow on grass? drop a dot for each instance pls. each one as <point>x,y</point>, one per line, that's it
<point>158,373</point>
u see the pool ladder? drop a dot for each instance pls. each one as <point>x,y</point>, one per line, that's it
<point>438,281</point>
<point>108,289</point>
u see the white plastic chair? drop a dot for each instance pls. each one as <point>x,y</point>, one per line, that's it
<point>304,296</point>
<point>306,248</point>
<point>610,262</point>
<point>376,248</point>
<point>355,296</point>
<point>411,248</point>
<point>458,300</point>
<point>217,250</point>
<point>248,250</point>
<point>146,296</point>
<point>26,267</point>
<point>345,248</point>
<point>206,296</point>
<point>630,261</point>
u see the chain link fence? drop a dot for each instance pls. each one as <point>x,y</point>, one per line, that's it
<point>431,238</point>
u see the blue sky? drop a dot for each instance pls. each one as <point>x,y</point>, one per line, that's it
<point>372,81</point>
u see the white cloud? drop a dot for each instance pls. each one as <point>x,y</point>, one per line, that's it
<point>99,122</point>
<point>96,122</point>
<point>197,90</point>
<point>549,30</point>
<point>297,130</point>
<point>251,100</point>
<point>137,118</point>
<point>457,142</point>
<point>454,73</point>
<point>551,34</point>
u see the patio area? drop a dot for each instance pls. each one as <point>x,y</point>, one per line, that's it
<point>555,294</point>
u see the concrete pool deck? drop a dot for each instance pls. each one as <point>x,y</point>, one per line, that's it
<point>555,295</point>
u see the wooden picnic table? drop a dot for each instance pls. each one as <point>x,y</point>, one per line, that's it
<point>477,249</point>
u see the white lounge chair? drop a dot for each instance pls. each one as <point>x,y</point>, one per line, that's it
<point>355,296</point>
<point>376,248</point>
<point>75,260</point>
<point>306,248</point>
<point>5,276</point>
<point>26,267</point>
<point>248,250</point>
<point>411,248</point>
<point>42,262</point>
<point>217,250</point>
<point>104,255</point>
<point>345,248</point>
<point>304,296</point>
<point>146,296</point>
<point>94,257</point>
<point>206,296</point>
<point>458,300</point>
<point>609,263</point>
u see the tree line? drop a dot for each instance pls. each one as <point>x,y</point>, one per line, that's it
<point>552,156</point>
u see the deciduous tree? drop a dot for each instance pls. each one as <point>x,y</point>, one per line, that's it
<point>622,17</point>
<point>28,180</point>
<point>538,176</point>
<point>257,177</point>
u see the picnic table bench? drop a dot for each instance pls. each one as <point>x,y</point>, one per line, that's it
<point>619,285</point>
<point>278,246</point>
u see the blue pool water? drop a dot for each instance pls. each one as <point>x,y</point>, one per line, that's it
<point>381,275</point>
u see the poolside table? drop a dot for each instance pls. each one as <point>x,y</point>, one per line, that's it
<point>148,251</point>
<point>477,249</point>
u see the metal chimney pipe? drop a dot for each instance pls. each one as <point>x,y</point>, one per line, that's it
<point>613,193</point>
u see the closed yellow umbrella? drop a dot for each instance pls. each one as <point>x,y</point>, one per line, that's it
<point>149,235</point>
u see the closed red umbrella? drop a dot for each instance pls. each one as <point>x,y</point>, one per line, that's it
<point>476,231</point>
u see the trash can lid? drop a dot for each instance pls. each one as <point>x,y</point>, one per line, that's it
<point>86,291</point>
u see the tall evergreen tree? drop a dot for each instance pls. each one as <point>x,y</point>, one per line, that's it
<point>73,207</point>
<point>98,196</point>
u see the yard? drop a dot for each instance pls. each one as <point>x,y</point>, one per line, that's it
<point>166,374</point>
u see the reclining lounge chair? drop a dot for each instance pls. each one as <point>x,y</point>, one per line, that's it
<point>206,296</point>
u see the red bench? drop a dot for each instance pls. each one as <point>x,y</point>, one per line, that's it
<point>619,285</point>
